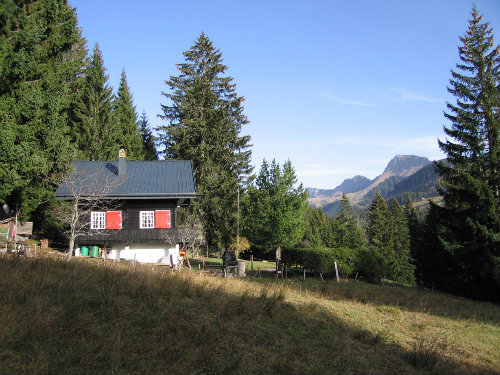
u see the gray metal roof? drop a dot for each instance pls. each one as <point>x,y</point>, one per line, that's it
<point>142,180</point>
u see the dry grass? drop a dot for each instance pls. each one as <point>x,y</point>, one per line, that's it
<point>86,317</point>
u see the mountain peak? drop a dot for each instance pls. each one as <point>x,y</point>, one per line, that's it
<point>405,165</point>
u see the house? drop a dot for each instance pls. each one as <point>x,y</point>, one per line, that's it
<point>130,206</point>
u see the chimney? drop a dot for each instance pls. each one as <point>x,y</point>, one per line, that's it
<point>122,163</point>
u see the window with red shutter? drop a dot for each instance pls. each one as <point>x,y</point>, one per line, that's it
<point>113,220</point>
<point>162,219</point>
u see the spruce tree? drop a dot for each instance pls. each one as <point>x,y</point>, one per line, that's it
<point>128,135</point>
<point>274,208</point>
<point>94,130</point>
<point>316,223</point>
<point>373,262</point>
<point>148,140</point>
<point>346,230</point>
<point>401,264</point>
<point>378,226</point>
<point>469,221</point>
<point>204,121</point>
<point>415,229</point>
<point>41,57</point>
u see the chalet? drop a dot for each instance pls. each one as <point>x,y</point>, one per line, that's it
<point>129,207</point>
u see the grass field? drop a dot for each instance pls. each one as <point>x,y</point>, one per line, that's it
<point>89,317</point>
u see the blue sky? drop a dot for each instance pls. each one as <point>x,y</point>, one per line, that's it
<point>337,87</point>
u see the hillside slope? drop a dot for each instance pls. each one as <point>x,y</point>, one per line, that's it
<point>84,317</point>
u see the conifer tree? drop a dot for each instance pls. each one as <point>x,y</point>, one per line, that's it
<point>401,264</point>
<point>127,134</point>
<point>414,228</point>
<point>316,223</point>
<point>41,57</point>
<point>373,262</point>
<point>346,230</point>
<point>94,130</point>
<point>469,221</point>
<point>274,208</point>
<point>148,141</point>
<point>256,209</point>
<point>378,226</point>
<point>204,121</point>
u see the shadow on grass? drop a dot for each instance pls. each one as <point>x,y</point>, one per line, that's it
<point>79,317</point>
<point>410,299</point>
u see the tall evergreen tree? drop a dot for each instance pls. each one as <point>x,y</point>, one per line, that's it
<point>274,208</point>
<point>128,135</point>
<point>415,230</point>
<point>41,56</point>
<point>469,221</point>
<point>347,233</point>
<point>148,140</point>
<point>316,222</point>
<point>374,261</point>
<point>205,118</point>
<point>95,132</point>
<point>378,226</point>
<point>401,264</point>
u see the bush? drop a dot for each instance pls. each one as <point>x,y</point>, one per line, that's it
<point>371,266</point>
<point>346,260</point>
<point>321,260</point>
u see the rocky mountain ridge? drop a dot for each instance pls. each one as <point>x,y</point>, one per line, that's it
<point>399,169</point>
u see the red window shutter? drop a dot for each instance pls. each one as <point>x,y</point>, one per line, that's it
<point>162,219</point>
<point>113,220</point>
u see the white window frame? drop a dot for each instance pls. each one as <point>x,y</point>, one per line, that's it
<point>98,220</point>
<point>146,219</point>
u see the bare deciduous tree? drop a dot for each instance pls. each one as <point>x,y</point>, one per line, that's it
<point>86,191</point>
<point>190,232</point>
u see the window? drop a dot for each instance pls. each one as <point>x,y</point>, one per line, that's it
<point>98,220</point>
<point>147,219</point>
<point>106,220</point>
<point>158,219</point>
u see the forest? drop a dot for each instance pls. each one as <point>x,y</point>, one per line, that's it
<point>56,107</point>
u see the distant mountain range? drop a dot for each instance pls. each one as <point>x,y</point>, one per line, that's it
<point>406,176</point>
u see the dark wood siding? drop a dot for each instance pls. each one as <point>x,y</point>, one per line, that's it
<point>131,232</point>
<point>103,237</point>
<point>132,208</point>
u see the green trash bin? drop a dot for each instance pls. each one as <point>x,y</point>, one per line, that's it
<point>84,251</point>
<point>94,251</point>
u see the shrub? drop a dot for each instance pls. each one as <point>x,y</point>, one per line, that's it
<point>371,266</point>
<point>346,260</point>
<point>321,260</point>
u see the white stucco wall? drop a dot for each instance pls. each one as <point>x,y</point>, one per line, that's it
<point>144,252</point>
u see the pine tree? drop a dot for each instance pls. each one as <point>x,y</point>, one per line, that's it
<point>373,262</point>
<point>274,208</point>
<point>346,230</point>
<point>95,132</point>
<point>469,222</point>
<point>316,223</point>
<point>205,118</point>
<point>41,56</point>
<point>127,135</point>
<point>378,226</point>
<point>148,140</point>
<point>256,209</point>
<point>401,264</point>
<point>415,229</point>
